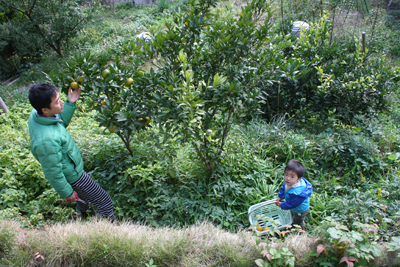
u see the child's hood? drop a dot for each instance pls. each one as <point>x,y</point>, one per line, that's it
<point>304,190</point>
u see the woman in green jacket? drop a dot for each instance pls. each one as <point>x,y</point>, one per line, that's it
<point>56,151</point>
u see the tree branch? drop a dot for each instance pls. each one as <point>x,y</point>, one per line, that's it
<point>126,142</point>
<point>47,41</point>
<point>202,157</point>
<point>52,9</point>
<point>35,24</point>
<point>215,111</point>
<point>16,8</point>
<point>33,5</point>
<point>225,132</point>
<point>62,36</point>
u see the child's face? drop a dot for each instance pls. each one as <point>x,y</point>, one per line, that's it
<point>291,178</point>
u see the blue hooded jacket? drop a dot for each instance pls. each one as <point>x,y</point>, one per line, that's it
<point>297,199</point>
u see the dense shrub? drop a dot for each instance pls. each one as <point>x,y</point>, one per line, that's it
<point>347,156</point>
<point>17,47</point>
<point>314,78</point>
<point>393,25</point>
<point>36,27</point>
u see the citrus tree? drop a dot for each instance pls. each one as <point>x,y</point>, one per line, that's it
<point>202,84</point>
<point>119,91</point>
<point>205,73</point>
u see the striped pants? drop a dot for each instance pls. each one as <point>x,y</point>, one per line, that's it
<point>92,193</point>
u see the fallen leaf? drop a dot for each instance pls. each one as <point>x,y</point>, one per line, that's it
<point>321,248</point>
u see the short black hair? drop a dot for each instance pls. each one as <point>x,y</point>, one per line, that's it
<point>40,96</point>
<point>295,166</point>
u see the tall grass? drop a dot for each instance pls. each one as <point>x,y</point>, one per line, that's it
<point>100,243</point>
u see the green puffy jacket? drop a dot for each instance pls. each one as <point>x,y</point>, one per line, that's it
<point>56,151</point>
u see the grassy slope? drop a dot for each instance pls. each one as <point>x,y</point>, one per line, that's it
<point>100,243</point>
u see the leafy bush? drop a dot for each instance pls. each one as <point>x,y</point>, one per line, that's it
<point>17,46</point>
<point>393,25</point>
<point>314,78</point>
<point>146,187</point>
<point>356,247</point>
<point>348,155</point>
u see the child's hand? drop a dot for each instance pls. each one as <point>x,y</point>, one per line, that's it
<point>278,202</point>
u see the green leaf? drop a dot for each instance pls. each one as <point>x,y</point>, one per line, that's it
<point>260,262</point>
<point>258,240</point>
<point>334,233</point>
<point>342,227</point>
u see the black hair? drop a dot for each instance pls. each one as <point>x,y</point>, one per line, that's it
<point>295,166</point>
<point>40,96</point>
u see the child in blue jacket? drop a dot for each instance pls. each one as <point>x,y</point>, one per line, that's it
<point>296,191</point>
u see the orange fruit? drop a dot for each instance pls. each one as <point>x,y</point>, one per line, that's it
<point>129,82</point>
<point>81,79</point>
<point>144,121</point>
<point>74,85</point>
<point>259,228</point>
<point>104,102</point>
<point>112,128</point>
<point>266,228</point>
<point>105,73</point>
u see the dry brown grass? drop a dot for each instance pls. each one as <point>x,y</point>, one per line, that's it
<point>103,244</point>
<point>99,243</point>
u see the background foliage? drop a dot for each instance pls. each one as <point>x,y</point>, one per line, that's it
<point>30,28</point>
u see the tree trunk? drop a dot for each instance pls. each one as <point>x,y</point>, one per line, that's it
<point>112,6</point>
<point>3,106</point>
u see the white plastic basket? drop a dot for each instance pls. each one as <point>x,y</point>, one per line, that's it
<point>260,211</point>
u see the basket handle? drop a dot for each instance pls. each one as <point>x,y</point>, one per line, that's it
<point>266,203</point>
